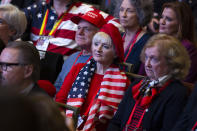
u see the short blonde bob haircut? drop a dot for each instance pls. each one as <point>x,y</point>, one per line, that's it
<point>15,18</point>
<point>174,52</point>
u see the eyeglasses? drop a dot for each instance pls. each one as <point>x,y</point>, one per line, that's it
<point>4,65</point>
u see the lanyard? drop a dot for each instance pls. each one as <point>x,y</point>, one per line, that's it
<point>56,25</point>
<point>194,127</point>
<point>44,23</point>
<point>137,103</point>
<point>132,43</point>
<point>132,113</point>
<point>80,55</point>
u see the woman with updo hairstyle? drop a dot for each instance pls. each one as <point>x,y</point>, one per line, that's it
<point>155,102</point>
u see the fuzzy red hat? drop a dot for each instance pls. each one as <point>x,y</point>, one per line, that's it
<point>47,86</point>
<point>115,35</point>
<point>93,17</point>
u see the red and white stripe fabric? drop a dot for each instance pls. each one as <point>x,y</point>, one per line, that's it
<point>76,102</point>
<point>63,39</point>
<point>112,89</point>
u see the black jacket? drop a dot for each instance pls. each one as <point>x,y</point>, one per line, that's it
<point>189,117</point>
<point>162,113</point>
<point>37,89</point>
<point>22,3</point>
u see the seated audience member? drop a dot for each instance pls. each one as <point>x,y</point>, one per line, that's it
<point>134,15</point>
<point>35,113</point>
<point>17,113</point>
<point>188,119</point>
<point>19,3</point>
<point>153,26</point>
<point>49,115</point>
<point>96,84</point>
<point>177,20</point>
<point>50,27</point>
<point>88,25</point>
<point>13,23</point>
<point>20,67</point>
<point>155,103</point>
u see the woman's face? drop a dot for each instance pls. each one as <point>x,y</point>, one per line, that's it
<point>168,23</point>
<point>103,52</point>
<point>5,31</point>
<point>155,63</point>
<point>127,14</point>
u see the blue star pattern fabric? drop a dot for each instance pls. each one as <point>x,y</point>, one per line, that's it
<point>82,83</point>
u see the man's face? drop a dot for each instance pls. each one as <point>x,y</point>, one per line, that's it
<point>84,34</point>
<point>11,76</point>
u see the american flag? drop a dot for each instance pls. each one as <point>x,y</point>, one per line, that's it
<point>80,86</point>
<point>112,89</point>
<point>105,104</point>
<point>63,40</point>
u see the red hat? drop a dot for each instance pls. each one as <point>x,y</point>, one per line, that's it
<point>115,35</point>
<point>93,17</point>
<point>48,87</point>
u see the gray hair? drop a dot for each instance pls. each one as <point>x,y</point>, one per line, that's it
<point>15,18</point>
<point>174,53</point>
<point>144,10</point>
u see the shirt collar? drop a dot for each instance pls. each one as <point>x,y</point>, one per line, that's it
<point>161,80</point>
<point>27,90</point>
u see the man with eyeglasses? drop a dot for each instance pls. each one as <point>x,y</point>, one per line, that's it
<point>20,68</point>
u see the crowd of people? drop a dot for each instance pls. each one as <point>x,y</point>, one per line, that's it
<point>159,41</point>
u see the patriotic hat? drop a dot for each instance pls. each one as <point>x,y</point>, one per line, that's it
<point>115,35</point>
<point>94,17</point>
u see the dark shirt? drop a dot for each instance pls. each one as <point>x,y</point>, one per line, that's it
<point>22,3</point>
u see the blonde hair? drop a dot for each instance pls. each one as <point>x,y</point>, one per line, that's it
<point>174,53</point>
<point>15,18</point>
<point>102,37</point>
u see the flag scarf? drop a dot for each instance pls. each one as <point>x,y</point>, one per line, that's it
<point>79,89</point>
<point>111,91</point>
